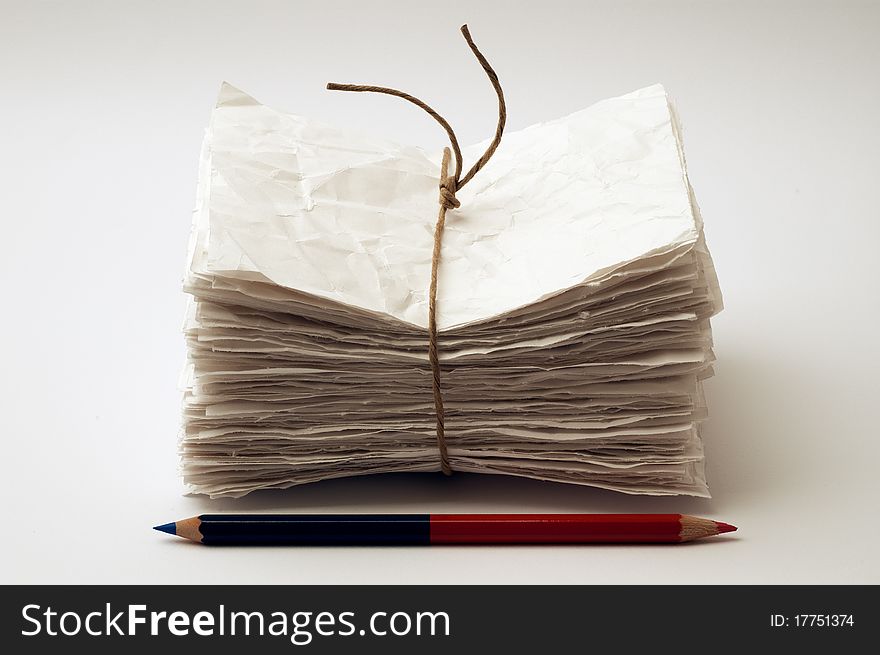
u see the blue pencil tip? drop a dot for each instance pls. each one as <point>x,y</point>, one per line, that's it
<point>170,528</point>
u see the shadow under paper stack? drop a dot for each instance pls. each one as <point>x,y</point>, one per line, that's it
<point>574,297</point>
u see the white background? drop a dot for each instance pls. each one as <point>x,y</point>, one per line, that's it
<point>102,109</point>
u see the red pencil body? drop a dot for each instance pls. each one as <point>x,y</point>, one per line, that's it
<point>555,528</point>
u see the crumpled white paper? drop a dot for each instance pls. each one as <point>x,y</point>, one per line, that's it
<point>574,296</point>
<point>350,219</point>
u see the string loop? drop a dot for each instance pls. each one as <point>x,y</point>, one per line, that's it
<point>449,186</point>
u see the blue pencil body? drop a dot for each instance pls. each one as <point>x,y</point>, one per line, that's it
<point>305,529</point>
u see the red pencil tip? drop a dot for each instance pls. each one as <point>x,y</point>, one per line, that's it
<point>725,527</point>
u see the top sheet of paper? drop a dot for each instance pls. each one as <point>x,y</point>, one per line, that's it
<point>350,218</point>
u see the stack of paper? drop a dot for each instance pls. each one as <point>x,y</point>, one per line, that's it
<point>575,291</point>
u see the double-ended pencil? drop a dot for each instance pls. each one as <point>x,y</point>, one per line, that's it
<point>438,529</point>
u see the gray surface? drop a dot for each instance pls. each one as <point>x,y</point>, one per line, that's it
<point>103,110</point>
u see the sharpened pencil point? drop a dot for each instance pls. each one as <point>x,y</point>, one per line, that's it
<point>725,527</point>
<point>170,528</point>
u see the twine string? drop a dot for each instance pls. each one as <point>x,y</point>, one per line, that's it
<point>449,186</point>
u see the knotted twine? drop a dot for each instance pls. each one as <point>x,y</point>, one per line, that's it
<point>449,186</point>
